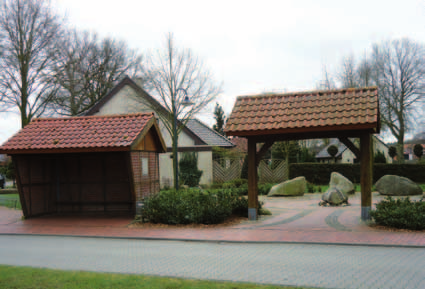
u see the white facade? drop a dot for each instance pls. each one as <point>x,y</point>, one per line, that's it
<point>348,157</point>
<point>126,101</point>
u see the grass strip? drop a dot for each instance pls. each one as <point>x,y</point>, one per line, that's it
<point>37,278</point>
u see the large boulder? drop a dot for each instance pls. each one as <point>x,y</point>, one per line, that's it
<point>392,185</point>
<point>340,182</point>
<point>334,197</point>
<point>294,187</point>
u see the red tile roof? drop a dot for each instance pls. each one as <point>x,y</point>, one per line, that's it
<point>79,134</point>
<point>305,112</point>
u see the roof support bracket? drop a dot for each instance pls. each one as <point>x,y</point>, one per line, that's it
<point>352,147</point>
<point>262,151</point>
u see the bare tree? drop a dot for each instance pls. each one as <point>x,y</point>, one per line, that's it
<point>88,68</point>
<point>366,72</point>
<point>348,74</point>
<point>327,82</point>
<point>400,66</point>
<point>28,34</point>
<point>176,75</point>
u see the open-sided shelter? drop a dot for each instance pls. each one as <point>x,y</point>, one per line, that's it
<point>98,164</point>
<point>342,114</point>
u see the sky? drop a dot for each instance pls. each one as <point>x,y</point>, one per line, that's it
<point>251,47</point>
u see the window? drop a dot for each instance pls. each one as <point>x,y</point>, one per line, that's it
<point>145,166</point>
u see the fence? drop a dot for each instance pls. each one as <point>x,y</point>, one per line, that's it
<point>269,171</point>
<point>225,170</point>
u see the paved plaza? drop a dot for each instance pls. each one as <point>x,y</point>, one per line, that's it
<point>294,220</point>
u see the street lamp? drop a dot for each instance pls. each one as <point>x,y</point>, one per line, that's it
<point>186,102</point>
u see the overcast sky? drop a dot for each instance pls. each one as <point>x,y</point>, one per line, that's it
<point>250,46</point>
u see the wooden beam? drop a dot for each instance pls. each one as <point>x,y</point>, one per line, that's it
<point>352,147</point>
<point>262,151</point>
<point>29,184</point>
<point>309,135</point>
<point>15,160</point>
<point>103,164</point>
<point>252,180</point>
<point>366,171</point>
<point>80,185</point>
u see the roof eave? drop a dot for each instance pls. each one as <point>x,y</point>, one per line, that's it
<point>64,150</point>
<point>369,127</point>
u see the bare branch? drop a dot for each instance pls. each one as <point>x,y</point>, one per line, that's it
<point>28,35</point>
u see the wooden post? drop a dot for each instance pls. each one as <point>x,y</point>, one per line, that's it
<point>18,164</point>
<point>366,171</point>
<point>252,180</point>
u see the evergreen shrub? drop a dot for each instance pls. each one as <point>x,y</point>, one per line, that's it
<point>320,173</point>
<point>195,206</point>
<point>400,213</point>
<point>189,173</point>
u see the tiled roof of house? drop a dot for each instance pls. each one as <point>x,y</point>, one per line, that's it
<point>354,108</point>
<point>77,134</point>
<point>208,135</point>
<point>241,144</point>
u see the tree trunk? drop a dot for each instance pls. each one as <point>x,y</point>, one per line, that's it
<point>400,152</point>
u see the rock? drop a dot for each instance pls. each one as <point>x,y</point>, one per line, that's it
<point>392,185</point>
<point>334,197</point>
<point>343,184</point>
<point>294,187</point>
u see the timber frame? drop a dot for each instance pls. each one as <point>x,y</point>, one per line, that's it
<point>270,118</point>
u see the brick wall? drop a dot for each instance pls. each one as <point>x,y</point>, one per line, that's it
<point>145,173</point>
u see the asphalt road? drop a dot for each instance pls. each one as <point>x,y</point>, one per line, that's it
<point>284,264</point>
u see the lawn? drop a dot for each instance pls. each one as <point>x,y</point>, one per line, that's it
<point>32,278</point>
<point>10,201</point>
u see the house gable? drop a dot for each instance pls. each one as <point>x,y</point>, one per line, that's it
<point>149,141</point>
<point>128,97</point>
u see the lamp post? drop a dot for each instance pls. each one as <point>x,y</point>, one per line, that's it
<point>186,102</point>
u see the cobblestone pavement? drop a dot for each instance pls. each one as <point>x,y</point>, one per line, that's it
<point>307,265</point>
<point>294,220</point>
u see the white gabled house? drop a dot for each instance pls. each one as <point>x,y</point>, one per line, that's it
<point>128,97</point>
<point>346,156</point>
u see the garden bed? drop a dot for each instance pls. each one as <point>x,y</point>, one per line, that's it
<point>8,191</point>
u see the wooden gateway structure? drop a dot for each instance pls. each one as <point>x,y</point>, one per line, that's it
<point>86,164</point>
<point>342,114</point>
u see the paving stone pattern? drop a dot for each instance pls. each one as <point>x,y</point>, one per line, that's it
<point>294,220</point>
<point>283,264</point>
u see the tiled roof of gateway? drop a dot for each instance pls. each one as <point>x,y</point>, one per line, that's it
<point>90,133</point>
<point>208,135</point>
<point>305,112</point>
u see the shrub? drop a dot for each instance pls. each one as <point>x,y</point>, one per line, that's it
<point>244,171</point>
<point>239,182</point>
<point>264,212</point>
<point>189,173</point>
<point>392,151</point>
<point>418,150</point>
<point>264,189</point>
<point>228,185</point>
<point>216,186</point>
<point>332,150</point>
<point>310,188</point>
<point>401,213</point>
<point>379,158</point>
<point>319,174</point>
<point>188,206</point>
<point>194,206</point>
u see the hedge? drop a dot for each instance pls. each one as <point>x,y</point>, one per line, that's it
<point>320,173</point>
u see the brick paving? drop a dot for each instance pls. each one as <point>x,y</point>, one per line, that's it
<point>294,220</point>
